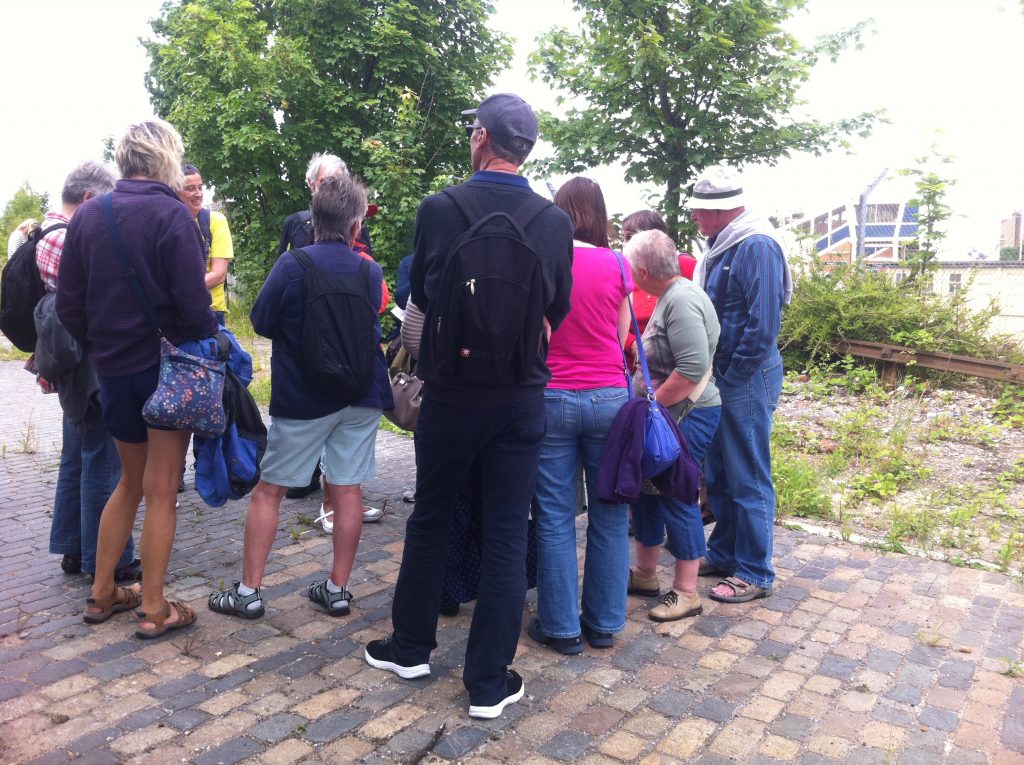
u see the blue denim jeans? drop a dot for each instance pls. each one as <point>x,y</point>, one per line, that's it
<point>654,514</point>
<point>738,468</point>
<point>578,423</point>
<point>505,442</point>
<point>89,470</point>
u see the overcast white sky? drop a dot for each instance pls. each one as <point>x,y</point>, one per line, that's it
<point>948,72</point>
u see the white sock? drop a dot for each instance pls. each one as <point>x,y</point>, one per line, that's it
<point>332,587</point>
<point>245,590</point>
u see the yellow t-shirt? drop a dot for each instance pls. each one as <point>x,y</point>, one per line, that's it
<point>220,248</point>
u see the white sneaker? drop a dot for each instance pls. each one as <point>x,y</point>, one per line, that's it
<point>515,689</point>
<point>322,519</point>
<point>370,515</point>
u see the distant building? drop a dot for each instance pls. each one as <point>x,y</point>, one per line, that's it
<point>982,282</point>
<point>1010,231</point>
<point>890,232</point>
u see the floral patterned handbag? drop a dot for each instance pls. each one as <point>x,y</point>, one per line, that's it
<point>190,391</point>
<point>189,394</point>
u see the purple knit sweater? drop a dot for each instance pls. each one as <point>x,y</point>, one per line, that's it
<point>95,301</point>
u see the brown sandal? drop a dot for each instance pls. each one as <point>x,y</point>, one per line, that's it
<point>186,617</point>
<point>121,599</point>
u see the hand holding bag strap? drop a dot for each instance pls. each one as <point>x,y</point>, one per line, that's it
<point>636,334</point>
<point>106,202</point>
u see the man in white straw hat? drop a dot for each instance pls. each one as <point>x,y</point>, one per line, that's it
<point>744,272</point>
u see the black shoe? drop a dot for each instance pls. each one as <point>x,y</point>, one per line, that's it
<point>71,564</point>
<point>378,654</point>
<point>130,573</point>
<point>448,609</point>
<point>514,692</point>
<point>298,492</point>
<point>567,646</point>
<point>595,638</point>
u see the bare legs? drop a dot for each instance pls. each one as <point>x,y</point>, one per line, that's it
<point>261,521</point>
<point>685,580</point>
<point>151,471</point>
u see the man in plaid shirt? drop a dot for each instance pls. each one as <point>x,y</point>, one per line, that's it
<point>89,465</point>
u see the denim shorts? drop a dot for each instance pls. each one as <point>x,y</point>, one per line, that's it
<point>346,439</point>
<point>122,399</point>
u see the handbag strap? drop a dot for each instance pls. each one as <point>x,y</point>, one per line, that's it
<point>636,334</point>
<point>133,279</point>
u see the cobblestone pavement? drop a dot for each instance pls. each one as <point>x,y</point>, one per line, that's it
<point>859,657</point>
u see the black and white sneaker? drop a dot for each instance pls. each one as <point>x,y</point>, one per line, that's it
<point>515,692</point>
<point>378,654</point>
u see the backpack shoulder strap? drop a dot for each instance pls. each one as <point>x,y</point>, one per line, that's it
<point>303,259</point>
<point>39,233</point>
<point>204,226</point>
<point>467,203</point>
<point>530,209</point>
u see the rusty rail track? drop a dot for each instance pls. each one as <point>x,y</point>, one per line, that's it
<point>945,362</point>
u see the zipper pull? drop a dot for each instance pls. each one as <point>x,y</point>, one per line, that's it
<point>472,286</point>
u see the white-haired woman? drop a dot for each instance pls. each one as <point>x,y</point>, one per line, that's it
<point>96,302</point>
<point>680,341</point>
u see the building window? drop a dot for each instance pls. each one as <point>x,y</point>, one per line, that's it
<point>954,283</point>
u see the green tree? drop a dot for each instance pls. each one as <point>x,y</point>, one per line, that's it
<point>256,87</point>
<point>933,212</point>
<point>1009,253</point>
<point>669,88</point>
<point>23,205</point>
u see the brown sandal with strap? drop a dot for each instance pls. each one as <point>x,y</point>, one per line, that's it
<point>121,599</point>
<point>186,617</point>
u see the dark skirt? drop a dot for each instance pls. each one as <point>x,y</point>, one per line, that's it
<point>462,570</point>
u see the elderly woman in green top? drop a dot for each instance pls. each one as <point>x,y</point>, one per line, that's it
<point>680,342</point>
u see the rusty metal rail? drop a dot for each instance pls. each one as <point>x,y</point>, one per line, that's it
<point>966,365</point>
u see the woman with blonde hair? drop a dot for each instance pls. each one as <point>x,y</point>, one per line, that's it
<point>95,301</point>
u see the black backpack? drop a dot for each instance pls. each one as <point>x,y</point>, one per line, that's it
<point>339,330</point>
<point>21,288</point>
<point>487,321</point>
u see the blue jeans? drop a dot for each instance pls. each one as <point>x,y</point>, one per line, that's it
<point>578,423</point>
<point>89,470</point>
<point>653,514</point>
<point>739,476</point>
<point>505,442</point>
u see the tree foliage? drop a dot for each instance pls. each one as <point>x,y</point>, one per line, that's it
<point>669,88</point>
<point>24,204</point>
<point>933,211</point>
<point>257,86</point>
<point>1009,253</point>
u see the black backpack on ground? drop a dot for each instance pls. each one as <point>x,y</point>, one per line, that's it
<point>487,320</point>
<point>339,330</point>
<point>21,287</point>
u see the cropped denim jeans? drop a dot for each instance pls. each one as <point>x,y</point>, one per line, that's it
<point>654,514</point>
<point>578,423</point>
<point>739,476</point>
<point>89,471</point>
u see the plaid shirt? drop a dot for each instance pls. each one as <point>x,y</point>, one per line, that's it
<point>49,249</point>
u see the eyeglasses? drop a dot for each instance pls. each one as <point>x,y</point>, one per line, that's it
<point>470,129</point>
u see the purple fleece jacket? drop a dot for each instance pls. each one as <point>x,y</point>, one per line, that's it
<point>95,301</point>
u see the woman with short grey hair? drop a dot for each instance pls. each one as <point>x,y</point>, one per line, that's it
<point>680,342</point>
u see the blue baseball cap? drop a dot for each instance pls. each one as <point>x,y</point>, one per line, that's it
<point>506,117</point>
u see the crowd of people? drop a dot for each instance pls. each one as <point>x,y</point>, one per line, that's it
<point>519,315</point>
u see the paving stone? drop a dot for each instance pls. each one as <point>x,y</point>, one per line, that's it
<point>13,688</point>
<point>956,674</point>
<point>235,750</point>
<point>277,727</point>
<point>883,660</point>
<point>118,668</point>
<point>713,626</point>
<point>672,702</point>
<point>332,726</point>
<point>716,709</point>
<point>1012,735</point>
<point>567,746</point>
<point>942,719</point>
<point>92,741</point>
<point>838,667</point>
<point>186,719</point>
<point>99,757</point>
<point>460,742</point>
<point>178,685</point>
<point>58,670</point>
<point>793,726</point>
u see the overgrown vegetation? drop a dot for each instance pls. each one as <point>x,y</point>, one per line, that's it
<point>915,466</point>
<point>856,302</point>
